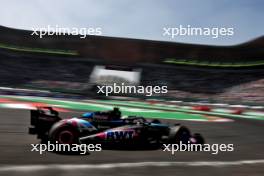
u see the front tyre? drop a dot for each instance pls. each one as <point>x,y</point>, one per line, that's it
<point>179,134</point>
<point>198,139</point>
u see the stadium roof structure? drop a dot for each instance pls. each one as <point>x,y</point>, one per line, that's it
<point>132,51</point>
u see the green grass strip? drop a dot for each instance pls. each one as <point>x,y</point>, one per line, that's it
<point>149,111</point>
<point>125,110</point>
<point>213,64</point>
<point>179,109</point>
<point>39,50</point>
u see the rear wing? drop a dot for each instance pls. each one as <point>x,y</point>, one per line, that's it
<point>45,111</point>
<point>42,120</point>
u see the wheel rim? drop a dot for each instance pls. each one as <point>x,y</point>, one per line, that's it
<point>66,137</point>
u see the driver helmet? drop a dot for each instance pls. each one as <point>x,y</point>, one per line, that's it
<point>88,115</point>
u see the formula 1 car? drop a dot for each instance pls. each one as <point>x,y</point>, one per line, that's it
<point>105,127</point>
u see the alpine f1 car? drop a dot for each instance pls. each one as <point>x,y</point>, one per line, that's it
<point>106,127</point>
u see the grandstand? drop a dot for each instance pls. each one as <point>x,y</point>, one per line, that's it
<point>64,63</point>
<point>131,51</point>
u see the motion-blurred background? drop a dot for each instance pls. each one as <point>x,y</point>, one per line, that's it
<point>224,73</point>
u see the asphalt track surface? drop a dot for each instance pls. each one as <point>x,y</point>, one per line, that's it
<point>16,157</point>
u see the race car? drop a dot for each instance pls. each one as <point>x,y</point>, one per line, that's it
<point>105,127</point>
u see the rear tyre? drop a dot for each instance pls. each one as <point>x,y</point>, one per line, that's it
<point>65,135</point>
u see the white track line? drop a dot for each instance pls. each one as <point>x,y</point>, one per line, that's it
<point>38,167</point>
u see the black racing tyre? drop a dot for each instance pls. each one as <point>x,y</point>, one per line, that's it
<point>64,135</point>
<point>179,133</point>
<point>199,138</point>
